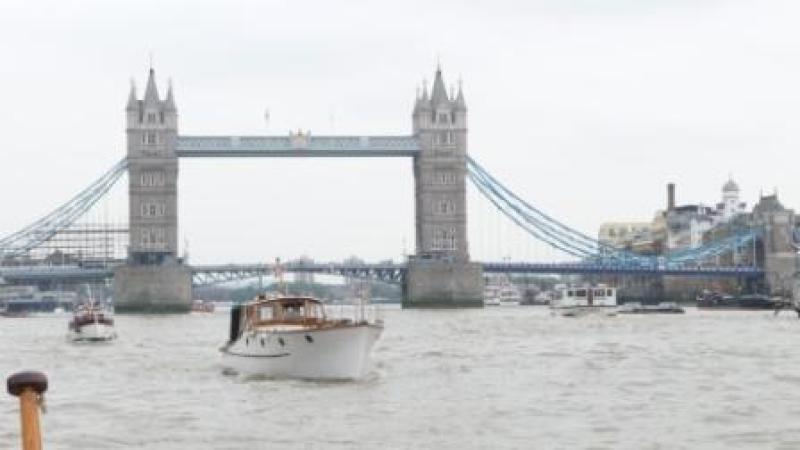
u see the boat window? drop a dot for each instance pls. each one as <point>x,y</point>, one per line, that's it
<point>265,313</point>
<point>292,312</point>
<point>570,293</point>
<point>581,293</point>
<point>599,293</point>
<point>609,292</point>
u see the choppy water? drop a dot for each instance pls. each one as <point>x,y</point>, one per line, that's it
<point>510,377</point>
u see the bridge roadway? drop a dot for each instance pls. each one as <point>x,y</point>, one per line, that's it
<point>296,145</point>
<point>203,275</point>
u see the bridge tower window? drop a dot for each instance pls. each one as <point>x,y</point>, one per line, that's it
<point>444,239</point>
<point>444,138</point>
<point>152,178</point>
<point>153,208</point>
<point>152,237</point>
<point>445,207</point>
<point>444,177</point>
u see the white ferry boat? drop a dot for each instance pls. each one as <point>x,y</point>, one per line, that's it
<point>502,294</point>
<point>291,337</point>
<point>576,301</point>
<point>91,323</point>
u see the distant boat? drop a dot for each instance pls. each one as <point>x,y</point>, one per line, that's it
<point>575,301</point>
<point>503,293</point>
<point>290,336</point>
<point>91,323</point>
<point>717,300</point>
<point>4,312</point>
<point>25,300</point>
<point>202,306</point>
<point>660,308</point>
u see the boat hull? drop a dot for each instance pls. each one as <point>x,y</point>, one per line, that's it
<point>336,353</point>
<point>509,303</point>
<point>92,332</point>
<point>580,311</point>
<point>651,310</point>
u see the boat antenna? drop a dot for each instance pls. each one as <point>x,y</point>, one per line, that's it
<point>279,276</point>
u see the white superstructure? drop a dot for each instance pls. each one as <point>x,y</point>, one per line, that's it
<point>501,292</point>
<point>91,323</point>
<point>585,299</point>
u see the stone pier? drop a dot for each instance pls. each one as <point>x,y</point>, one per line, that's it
<point>780,259</point>
<point>153,289</point>
<point>443,284</point>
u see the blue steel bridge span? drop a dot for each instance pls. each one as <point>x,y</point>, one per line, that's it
<point>395,273</point>
<point>205,275</point>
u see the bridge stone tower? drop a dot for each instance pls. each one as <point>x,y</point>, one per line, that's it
<point>780,259</point>
<point>440,274</point>
<point>154,279</point>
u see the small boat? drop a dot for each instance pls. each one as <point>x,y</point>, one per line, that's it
<point>717,300</point>
<point>491,296</point>
<point>509,296</point>
<point>291,337</point>
<point>585,300</point>
<point>13,314</point>
<point>91,323</point>
<point>202,306</point>
<point>503,293</point>
<point>660,308</point>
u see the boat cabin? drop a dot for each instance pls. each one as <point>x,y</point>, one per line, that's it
<point>589,296</point>
<point>284,310</point>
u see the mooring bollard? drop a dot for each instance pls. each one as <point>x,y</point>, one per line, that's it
<point>29,387</point>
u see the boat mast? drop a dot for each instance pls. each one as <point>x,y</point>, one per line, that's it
<point>279,275</point>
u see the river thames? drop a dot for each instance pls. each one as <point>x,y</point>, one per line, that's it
<point>506,377</point>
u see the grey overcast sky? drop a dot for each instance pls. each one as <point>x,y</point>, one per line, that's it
<point>586,108</point>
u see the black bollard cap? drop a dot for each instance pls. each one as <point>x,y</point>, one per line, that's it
<point>20,381</point>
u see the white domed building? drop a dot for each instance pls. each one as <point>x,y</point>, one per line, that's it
<point>731,206</point>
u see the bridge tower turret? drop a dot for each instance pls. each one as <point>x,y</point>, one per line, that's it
<point>152,129</point>
<point>440,273</point>
<point>153,277</point>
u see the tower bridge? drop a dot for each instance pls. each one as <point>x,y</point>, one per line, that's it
<point>438,146</point>
<point>440,273</point>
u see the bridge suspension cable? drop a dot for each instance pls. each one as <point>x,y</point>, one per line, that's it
<point>40,231</point>
<point>573,242</point>
<point>542,226</point>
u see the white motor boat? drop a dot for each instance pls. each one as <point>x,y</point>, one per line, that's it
<point>491,296</point>
<point>502,294</point>
<point>91,323</point>
<point>291,337</point>
<point>585,300</point>
<point>509,295</point>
